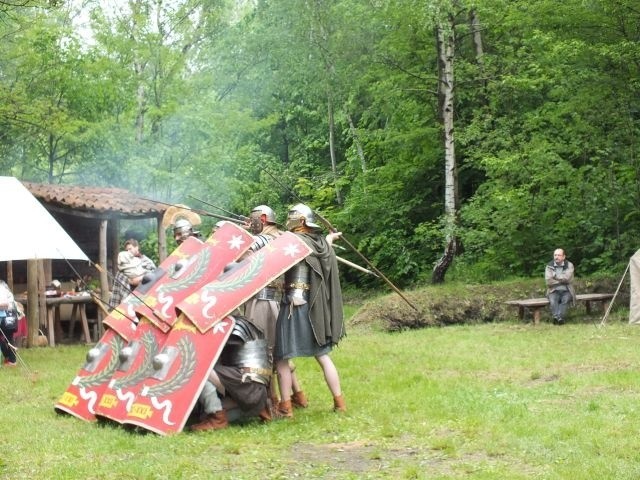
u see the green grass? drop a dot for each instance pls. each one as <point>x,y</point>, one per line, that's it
<point>493,401</point>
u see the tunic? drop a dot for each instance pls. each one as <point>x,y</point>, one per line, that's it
<point>315,327</point>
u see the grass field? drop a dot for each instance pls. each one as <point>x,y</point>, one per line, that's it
<point>493,401</point>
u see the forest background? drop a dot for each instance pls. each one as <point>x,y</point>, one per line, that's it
<point>442,137</point>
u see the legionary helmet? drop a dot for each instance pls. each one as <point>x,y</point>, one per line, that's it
<point>182,230</point>
<point>267,211</point>
<point>299,213</point>
<point>255,222</point>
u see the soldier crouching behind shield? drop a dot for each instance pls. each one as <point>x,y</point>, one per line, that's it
<point>237,389</point>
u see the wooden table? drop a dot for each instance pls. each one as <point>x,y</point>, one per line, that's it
<point>78,312</point>
<point>79,309</point>
<point>537,304</point>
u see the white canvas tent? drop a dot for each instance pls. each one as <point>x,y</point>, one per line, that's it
<point>634,300</point>
<point>32,234</point>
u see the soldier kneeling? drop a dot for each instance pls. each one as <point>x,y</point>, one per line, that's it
<point>237,386</point>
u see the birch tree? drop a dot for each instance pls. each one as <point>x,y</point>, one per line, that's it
<point>445,41</point>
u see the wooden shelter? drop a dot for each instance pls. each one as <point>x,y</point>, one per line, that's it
<point>92,216</point>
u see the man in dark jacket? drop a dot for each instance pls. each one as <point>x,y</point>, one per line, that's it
<point>558,276</point>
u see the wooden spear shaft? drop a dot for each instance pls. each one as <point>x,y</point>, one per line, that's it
<point>366,260</point>
<point>356,266</point>
<point>332,229</point>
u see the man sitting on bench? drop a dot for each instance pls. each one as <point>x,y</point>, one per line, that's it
<point>558,276</point>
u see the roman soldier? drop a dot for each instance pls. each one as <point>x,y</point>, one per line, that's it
<point>310,321</point>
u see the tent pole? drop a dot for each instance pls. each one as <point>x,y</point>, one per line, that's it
<point>42,302</point>
<point>606,314</point>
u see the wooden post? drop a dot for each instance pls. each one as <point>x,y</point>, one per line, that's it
<point>113,245</point>
<point>10,275</point>
<point>162,241</point>
<point>42,298</point>
<point>46,267</point>
<point>104,280</point>
<point>33,303</point>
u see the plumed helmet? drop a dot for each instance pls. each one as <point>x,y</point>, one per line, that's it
<point>302,212</point>
<point>267,211</point>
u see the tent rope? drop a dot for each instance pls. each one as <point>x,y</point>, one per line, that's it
<point>606,314</point>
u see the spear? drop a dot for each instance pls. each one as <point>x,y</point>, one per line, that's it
<point>356,266</point>
<point>98,300</point>
<point>239,217</point>
<point>197,210</point>
<point>354,249</point>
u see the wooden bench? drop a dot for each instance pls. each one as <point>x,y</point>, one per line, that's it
<point>536,305</point>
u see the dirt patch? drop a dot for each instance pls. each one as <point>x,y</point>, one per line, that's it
<point>361,458</point>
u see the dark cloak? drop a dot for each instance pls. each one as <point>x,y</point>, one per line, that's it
<point>325,294</point>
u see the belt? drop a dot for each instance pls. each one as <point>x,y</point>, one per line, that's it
<point>257,370</point>
<point>255,374</point>
<point>267,293</point>
<point>298,286</point>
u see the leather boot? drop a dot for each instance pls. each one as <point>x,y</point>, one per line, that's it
<point>213,421</point>
<point>299,400</point>
<point>339,404</point>
<point>265,414</point>
<point>284,410</point>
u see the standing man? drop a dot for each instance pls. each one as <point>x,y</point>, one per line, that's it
<point>310,321</point>
<point>558,276</point>
<point>262,309</point>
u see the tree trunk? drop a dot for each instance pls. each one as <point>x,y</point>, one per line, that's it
<point>476,35</point>
<point>445,35</point>
<point>356,141</point>
<point>332,150</point>
<point>139,66</point>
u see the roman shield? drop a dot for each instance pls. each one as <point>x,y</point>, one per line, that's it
<point>197,338</point>
<point>224,246</point>
<point>81,397</point>
<point>219,298</point>
<point>168,394</point>
<point>123,318</point>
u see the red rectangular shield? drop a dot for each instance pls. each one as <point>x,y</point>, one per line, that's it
<point>227,243</point>
<point>219,298</point>
<point>167,396</point>
<point>81,397</point>
<point>224,246</point>
<point>123,318</point>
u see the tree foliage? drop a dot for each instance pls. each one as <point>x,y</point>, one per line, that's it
<point>335,103</point>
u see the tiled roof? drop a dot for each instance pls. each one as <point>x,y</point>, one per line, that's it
<point>99,200</point>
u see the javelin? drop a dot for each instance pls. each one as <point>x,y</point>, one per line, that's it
<point>197,210</point>
<point>239,217</point>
